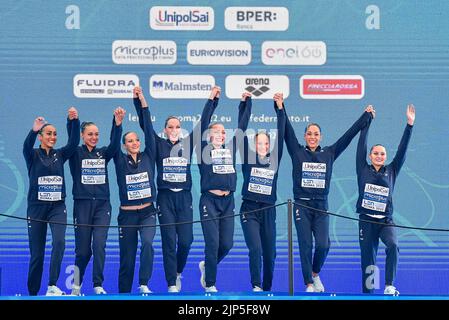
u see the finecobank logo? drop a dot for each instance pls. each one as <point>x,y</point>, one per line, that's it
<point>332,87</point>
<point>104,85</point>
<point>181,18</point>
<point>260,86</point>
<point>256,18</point>
<point>219,52</point>
<point>143,52</point>
<point>181,86</point>
<point>294,53</point>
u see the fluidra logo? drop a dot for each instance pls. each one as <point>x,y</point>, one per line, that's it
<point>104,85</point>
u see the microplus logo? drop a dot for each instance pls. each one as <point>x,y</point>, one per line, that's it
<point>219,52</point>
<point>104,85</point>
<point>260,86</point>
<point>181,86</point>
<point>256,18</point>
<point>293,53</point>
<point>181,18</point>
<point>143,52</point>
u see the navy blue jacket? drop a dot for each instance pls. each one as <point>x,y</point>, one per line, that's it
<point>376,187</point>
<point>173,160</point>
<point>90,168</point>
<point>260,174</point>
<point>312,170</point>
<point>217,166</point>
<point>135,179</point>
<point>46,171</point>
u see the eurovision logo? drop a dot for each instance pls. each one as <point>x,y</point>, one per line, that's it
<point>219,52</point>
<point>332,87</point>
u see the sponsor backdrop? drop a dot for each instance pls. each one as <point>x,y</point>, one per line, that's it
<point>329,58</point>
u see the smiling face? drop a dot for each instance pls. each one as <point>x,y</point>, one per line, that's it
<point>173,129</point>
<point>378,156</point>
<point>132,143</point>
<point>312,137</point>
<point>217,135</point>
<point>48,137</point>
<point>90,136</point>
<point>262,144</point>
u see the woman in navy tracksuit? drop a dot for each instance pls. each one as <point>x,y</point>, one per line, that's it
<point>218,183</point>
<point>174,197</point>
<point>260,173</point>
<point>89,168</point>
<point>312,171</point>
<point>375,204</point>
<point>135,178</point>
<point>46,197</point>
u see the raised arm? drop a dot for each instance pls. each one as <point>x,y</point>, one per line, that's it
<point>116,133</point>
<point>290,136</point>
<point>140,102</point>
<point>73,131</point>
<point>208,111</point>
<point>28,144</point>
<point>344,141</point>
<point>240,138</point>
<point>281,123</point>
<point>399,158</point>
<point>362,144</point>
<point>147,127</point>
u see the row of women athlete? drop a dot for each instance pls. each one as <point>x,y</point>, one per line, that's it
<point>135,171</point>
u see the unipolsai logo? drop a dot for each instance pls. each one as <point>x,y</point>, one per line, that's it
<point>181,18</point>
<point>144,52</point>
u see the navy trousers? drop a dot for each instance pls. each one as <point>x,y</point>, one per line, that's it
<point>369,235</point>
<point>175,207</point>
<point>91,240</point>
<point>128,241</point>
<point>37,235</point>
<point>259,229</point>
<point>218,234</point>
<point>311,224</point>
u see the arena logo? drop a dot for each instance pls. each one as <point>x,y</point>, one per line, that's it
<point>219,52</point>
<point>256,18</point>
<point>181,86</point>
<point>332,87</point>
<point>104,85</point>
<point>293,53</point>
<point>143,52</point>
<point>181,18</point>
<point>260,86</point>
